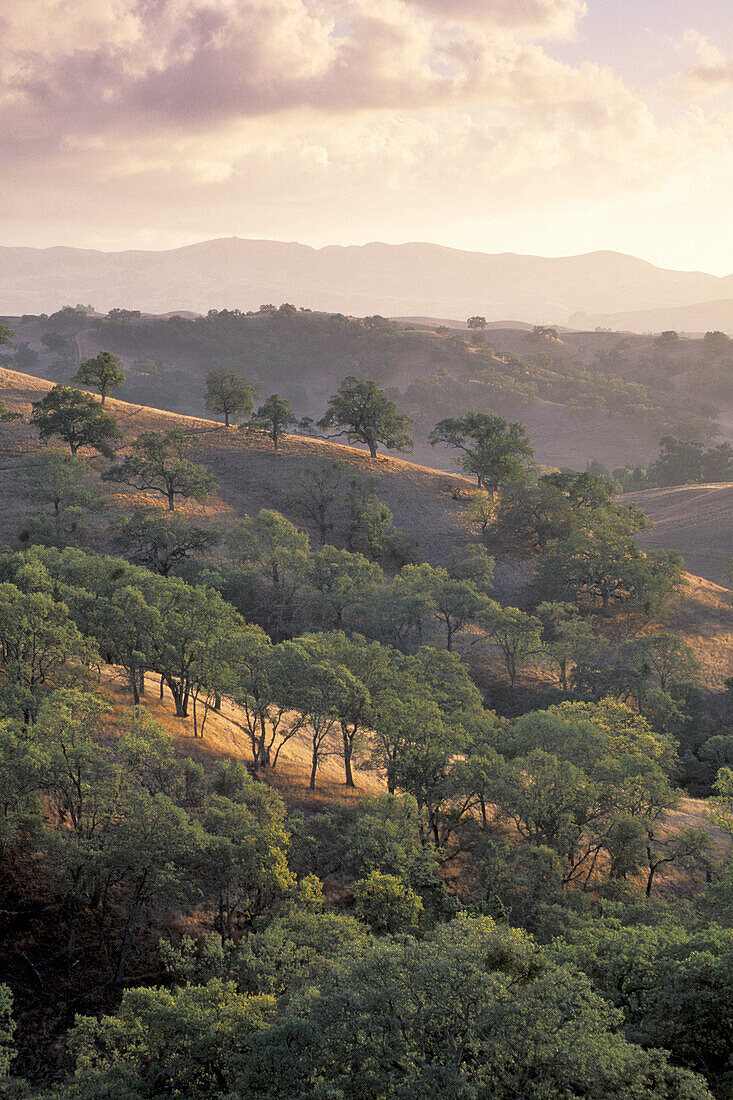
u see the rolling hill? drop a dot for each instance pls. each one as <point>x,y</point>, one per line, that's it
<point>695,521</point>
<point>581,395</point>
<point>414,279</point>
<point>429,505</point>
<point>699,317</point>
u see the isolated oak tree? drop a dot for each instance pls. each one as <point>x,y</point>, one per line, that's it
<point>362,412</point>
<point>159,463</point>
<point>104,373</point>
<point>493,449</point>
<point>228,394</point>
<point>274,417</point>
<point>76,418</point>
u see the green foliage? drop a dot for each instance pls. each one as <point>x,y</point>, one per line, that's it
<point>21,775</point>
<point>244,858</point>
<point>517,635</point>
<point>481,511</point>
<point>228,394</point>
<point>673,985</point>
<point>104,373</point>
<point>660,659</point>
<point>493,450</point>
<point>315,493</point>
<point>386,903</point>
<point>160,463</point>
<point>272,556</point>
<point>193,1041</point>
<point>586,779</point>
<point>473,1010</point>
<point>7,1029</point>
<point>341,586</point>
<point>161,541</point>
<point>603,563</point>
<point>363,413</point>
<point>77,419</point>
<point>371,527</point>
<point>533,515</point>
<point>148,753</point>
<point>66,487</point>
<point>274,417</point>
<point>38,643</point>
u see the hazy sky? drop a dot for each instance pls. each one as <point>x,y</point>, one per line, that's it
<point>546,126</point>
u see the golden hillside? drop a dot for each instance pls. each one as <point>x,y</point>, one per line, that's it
<point>429,506</point>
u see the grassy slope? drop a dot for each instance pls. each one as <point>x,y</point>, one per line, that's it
<point>560,434</point>
<point>251,477</point>
<point>694,521</point>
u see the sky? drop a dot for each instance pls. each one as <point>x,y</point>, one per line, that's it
<point>551,127</point>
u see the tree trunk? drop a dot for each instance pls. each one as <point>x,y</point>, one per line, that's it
<point>262,755</point>
<point>71,943</point>
<point>171,502</point>
<point>104,396</point>
<point>314,769</point>
<point>141,688</point>
<point>372,448</point>
<point>180,697</point>
<point>348,752</point>
<point>132,916</point>
<point>134,685</point>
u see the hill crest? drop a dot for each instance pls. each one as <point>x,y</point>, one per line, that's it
<point>412,279</point>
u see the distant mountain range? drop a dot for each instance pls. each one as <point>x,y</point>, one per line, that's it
<point>606,289</point>
<point>700,317</point>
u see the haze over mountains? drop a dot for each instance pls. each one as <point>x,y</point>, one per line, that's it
<point>605,289</point>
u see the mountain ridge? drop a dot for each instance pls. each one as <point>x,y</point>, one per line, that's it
<point>411,279</point>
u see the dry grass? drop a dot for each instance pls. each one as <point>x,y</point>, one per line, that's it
<point>250,475</point>
<point>225,736</point>
<point>695,521</point>
<point>703,616</point>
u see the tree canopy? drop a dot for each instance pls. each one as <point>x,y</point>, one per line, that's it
<point>228,394</point>
<point>160,463</point>
<point>76,418</point>
<point>493,450</point>
<point>104,372</point>
<point>362,412</point>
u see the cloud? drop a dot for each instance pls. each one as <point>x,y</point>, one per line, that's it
<point>193,62</point>
<point>182,118</point>
<point>540,17</point>
<point>712,73</point>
